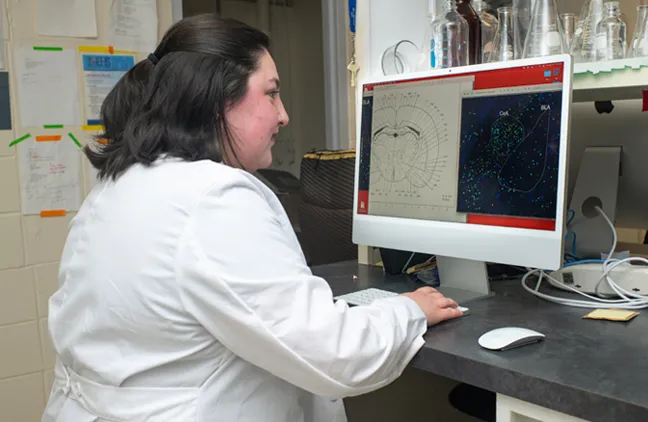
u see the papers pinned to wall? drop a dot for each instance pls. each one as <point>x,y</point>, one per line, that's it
<point>66,18</point>
<point>133,25</point>
<point>100,74</point>
<point>49,174</point>
<point>48,91</point>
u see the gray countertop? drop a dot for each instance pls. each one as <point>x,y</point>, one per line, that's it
<point>594,370</point>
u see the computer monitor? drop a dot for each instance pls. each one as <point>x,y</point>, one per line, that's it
<point>468,164</point>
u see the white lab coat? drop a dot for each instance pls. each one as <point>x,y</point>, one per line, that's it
<point>184,297</point>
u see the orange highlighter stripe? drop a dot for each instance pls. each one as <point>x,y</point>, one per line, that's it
<point>49,138</point>
<point>52,213</point>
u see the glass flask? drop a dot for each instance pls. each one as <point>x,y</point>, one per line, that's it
<point>545,36</point>
<point>521,19</point>
<point>452,36</point>
<point>466,10</point>
<point>583,47</point>
<point>569,26</point>
<point>505,41</point>
<point>639,44</point>
<point>611,34</point>
<point>488,28</point>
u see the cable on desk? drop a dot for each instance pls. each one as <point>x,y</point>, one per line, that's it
<point>628,300</point>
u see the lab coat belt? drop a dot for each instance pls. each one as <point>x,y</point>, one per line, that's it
<point>129,403</point>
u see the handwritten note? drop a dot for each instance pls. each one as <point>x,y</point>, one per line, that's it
<point>50,174</point>
<point>133,25</point>
<point>48,91</point>
<point>66,18</point>
<point>100,73</point>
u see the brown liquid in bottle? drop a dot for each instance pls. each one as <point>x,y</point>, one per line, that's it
<point>466,10</point>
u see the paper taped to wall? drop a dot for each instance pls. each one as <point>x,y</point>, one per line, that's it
<point>50,174</point>
<point>66,18</point>
<point>133,25</point>
<point>100,74</point>
<point>48,91</point>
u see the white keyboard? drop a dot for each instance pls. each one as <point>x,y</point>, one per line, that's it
<point>366,296</point>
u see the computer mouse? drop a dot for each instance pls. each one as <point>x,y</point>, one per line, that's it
<point>508,338</point>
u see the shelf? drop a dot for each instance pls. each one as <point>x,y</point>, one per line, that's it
<point>614,80</point>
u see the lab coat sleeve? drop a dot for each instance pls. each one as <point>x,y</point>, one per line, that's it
<point>244,278</point>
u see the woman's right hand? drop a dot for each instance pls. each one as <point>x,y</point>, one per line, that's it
<point>434,305</point>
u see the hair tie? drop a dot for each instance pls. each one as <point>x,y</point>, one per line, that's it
<point>153,59</point>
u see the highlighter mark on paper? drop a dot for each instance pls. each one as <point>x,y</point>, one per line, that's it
<point>49,138</point>
<point>91,128</point>
<point>53,213</point>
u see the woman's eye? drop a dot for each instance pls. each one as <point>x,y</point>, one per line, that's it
<point>274,94</point>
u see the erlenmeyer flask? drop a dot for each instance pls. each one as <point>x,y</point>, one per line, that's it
<point>521,19</point>
<point>583,47</point>
<point>639,44</point>
<point>505,41</point>
<point>488,28</point>
<point>545,36</point>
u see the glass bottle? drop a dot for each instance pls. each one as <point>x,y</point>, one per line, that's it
<point>521,19</point>
<point>639,45</point>
<point>466,10</point>
<point>452,35</point>
<point>504,44</point>
<point>545,36</point>
<point>611,34</point>
<point>488,28</point>
<point>436,14</point>
<point>583,47</point>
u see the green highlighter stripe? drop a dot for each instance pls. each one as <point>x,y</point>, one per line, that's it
<point>22,138</point>
<point>40,48</point>
<point>76,141</point>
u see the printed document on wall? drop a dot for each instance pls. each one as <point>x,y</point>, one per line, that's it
<point>134,25</point>
<point>48,92</point>
<point>50,174</point>
<point>100,73</point>
<point>66,18</point>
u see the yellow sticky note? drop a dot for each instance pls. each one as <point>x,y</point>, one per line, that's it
<point>612,314</point>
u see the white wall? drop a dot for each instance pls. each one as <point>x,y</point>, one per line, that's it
<point>30,246</point>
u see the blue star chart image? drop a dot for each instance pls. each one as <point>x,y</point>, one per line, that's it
<point>508,155</point>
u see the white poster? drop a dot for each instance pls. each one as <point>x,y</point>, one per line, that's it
<point>48,92</point>
<point>50,174</point>
<point>134,25</point>
<point>66,18</point>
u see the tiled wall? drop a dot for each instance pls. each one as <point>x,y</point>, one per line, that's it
<point>30,246</point>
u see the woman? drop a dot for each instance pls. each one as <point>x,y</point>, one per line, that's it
<point>184,295</point>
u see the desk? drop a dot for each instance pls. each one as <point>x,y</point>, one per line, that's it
<point>594,371</point>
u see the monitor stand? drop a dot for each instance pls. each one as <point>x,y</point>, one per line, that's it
<point>597,184</point>
<point>463,280</point>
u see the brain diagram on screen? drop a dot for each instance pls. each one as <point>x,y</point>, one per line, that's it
<point>414,150</point>
<point>406,155</point>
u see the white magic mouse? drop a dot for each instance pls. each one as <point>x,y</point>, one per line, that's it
<point>508,338</point>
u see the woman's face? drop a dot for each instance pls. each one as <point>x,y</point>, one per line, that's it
<point>255,120</point>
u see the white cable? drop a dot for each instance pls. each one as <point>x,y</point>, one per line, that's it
<point>628,300</point>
